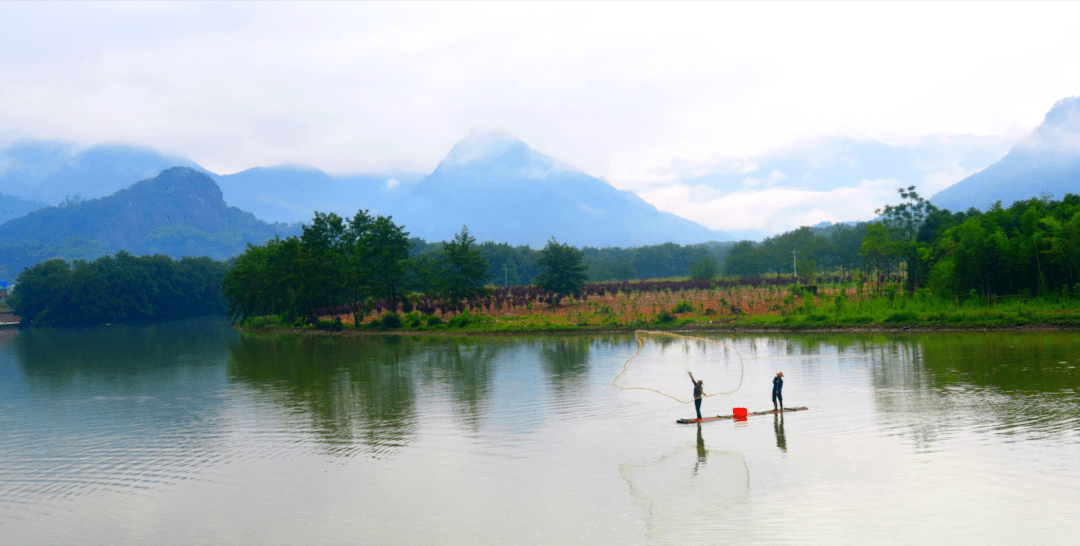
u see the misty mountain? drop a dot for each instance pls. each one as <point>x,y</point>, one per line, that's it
<point>294,193</point>
<point>1047,161</point>
<point>13,207</point>
<point>50,172</point>
<point>180,212</point>
<point>505,191</point>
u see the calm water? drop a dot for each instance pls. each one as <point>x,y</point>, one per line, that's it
<point>192,433</point>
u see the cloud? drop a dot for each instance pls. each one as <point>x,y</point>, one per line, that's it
<point>650,96</point>
<point>774,210</point>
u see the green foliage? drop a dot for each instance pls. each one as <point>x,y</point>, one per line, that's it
<point>461,271</point>
<point>703,269</point>
<point>561,269</point>
<point>390,321</point>
<point>683,307</point>
<point>334,262</point>
<point>118,289</point>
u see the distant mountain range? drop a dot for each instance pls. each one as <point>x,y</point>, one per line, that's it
<point>1047,161</point>
<point>505,191</point>
<point>496,185</point>
<point>179,212</point>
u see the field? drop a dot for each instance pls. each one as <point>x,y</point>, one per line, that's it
<point>718,304</point>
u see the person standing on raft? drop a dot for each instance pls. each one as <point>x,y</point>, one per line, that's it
<point>699,391</point>
<point>777,386</point>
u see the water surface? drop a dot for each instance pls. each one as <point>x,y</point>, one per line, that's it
<point>193,433</point>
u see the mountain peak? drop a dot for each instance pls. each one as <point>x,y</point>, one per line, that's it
<point>500,155</point>
<point>481,146</point>
<point>1059,133</point>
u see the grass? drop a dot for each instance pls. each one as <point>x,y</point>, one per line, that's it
<point>833,307</point>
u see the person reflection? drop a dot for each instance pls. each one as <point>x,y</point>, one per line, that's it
<point>700,450</point>
<point>778,426</point>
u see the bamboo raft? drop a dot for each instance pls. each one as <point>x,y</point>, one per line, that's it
<point>748,414</point>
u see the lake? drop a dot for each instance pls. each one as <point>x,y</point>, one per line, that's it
<point>193,433</point>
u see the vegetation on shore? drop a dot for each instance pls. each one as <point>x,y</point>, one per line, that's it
<point>779,306</point>
<point>123,288</point>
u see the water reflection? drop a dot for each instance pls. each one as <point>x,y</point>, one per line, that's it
<point>353,394</point>
<point>686,501</point>
<point>778,428</point>
<point>57,356</point>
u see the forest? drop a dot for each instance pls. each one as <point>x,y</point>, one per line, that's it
<point>118,289</point>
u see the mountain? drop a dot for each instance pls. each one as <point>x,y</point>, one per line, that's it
<point>1047,161</point>
<point>13,207</point>
<point>505,191</point>
<point>180,212</point>
<point>51,172</point>
<point>293,193</point>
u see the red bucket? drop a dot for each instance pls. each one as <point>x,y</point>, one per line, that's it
<point>739,413</point>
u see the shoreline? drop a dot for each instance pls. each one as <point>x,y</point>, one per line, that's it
<point>859,329</point>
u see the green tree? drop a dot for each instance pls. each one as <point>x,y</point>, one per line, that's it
<point>703,269</point>
<point>42,294</point>
<point>386,249</point>
<point>744,260</point>
<point>561,269</point>
<point>462,270</point>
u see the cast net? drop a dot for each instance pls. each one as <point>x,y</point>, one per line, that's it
<point>663,361</point>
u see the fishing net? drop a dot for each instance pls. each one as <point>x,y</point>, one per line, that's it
<point>664,359</point>
<point>691,496</point>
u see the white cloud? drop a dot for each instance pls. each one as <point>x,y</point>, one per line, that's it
<point>774,210</point>
<point>643,94</point>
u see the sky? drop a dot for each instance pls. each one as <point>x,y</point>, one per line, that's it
<point>656,98</point>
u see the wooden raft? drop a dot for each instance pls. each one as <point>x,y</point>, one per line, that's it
<point>748,414</point>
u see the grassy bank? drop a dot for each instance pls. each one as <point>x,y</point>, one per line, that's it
<point>833,306</point>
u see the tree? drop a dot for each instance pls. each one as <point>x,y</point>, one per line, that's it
<point>463,271</point>
<point>903,222</point>
<point>877,247</point>
<point>704,269</point>
<point>561,270</point>
<point>744,260</point>
<point>386,249</point>
<point>42,293</point>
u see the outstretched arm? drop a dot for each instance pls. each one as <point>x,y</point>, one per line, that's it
<point>692,378</point>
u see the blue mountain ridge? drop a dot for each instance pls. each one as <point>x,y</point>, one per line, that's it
<point>1047,161</point>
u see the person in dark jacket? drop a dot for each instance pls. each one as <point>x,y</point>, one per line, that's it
<point>699,391</point>
<point>777,386</point>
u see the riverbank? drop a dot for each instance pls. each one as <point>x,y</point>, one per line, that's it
<point>735,327</point>
<point>826,308</point>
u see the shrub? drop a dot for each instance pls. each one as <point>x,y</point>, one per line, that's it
<point>390,320</point>
<point>901,316</point>
<point>332,325</point>
<point>434,321</point>
<point>460,321</point>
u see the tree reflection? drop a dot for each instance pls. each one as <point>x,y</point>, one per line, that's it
<point>566,362</point>
<point>355,393</point>
<point>465,366</point>
<point>119,354</point>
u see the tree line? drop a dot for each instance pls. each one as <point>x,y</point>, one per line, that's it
<point>1031,248</point>
<point>123,288</point>
<point>350,265</point>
